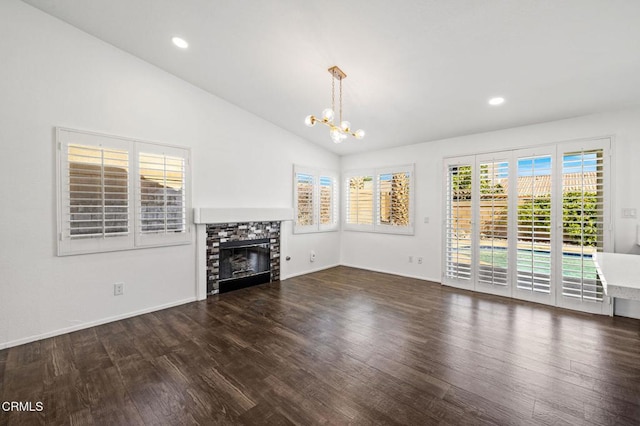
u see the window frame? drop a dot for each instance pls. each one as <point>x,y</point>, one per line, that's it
<point>133,239</point>
<point>317,175</point>
<point>377,226</point>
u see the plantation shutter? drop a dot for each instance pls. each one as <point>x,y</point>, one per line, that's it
<point>304,199</point>
<point>328,202</point>
<point>394,199</point>
<point>98,192</point>
<point>458,222</point>
<point>162,207</point>
<point>360,200</point>
<point>314,200</point>
<point>94,204</point>
<point>493,219</point>
<point>534,224</point>
<point>582,223</point>
<point>161,195</point>
<point>393,196</point>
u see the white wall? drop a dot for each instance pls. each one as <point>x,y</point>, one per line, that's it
<point>389,253</point>
<point>52,74</point>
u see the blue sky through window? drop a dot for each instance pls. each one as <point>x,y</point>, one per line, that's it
<point>571,163</point>
<point>534,166</point>
<point>576,163</point>
<point>304,178</point>
<point>388,176</point>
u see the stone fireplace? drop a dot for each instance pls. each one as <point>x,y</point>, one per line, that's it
<point>242,254</point>
<point>237,247</point>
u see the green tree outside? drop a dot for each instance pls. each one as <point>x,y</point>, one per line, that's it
<point>579,216</point>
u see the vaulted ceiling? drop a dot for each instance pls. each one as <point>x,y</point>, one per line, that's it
<point>418,70</point>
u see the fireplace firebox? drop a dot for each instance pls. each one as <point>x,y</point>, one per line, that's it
<point>252,265</point>
<point>244,264</point>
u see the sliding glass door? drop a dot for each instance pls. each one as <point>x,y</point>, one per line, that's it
<point>533,203</point>
<point>492,219</point>
<point>525,223</point>
<point>583,216</point>
<point>458,221</point>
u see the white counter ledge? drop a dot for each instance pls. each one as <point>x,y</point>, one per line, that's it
<point>620,274</point>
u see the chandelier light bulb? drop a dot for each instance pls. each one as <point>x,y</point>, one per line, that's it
<point>328,114</point>
<point>336,135</point>
<point>310,121</point>
<point>359,134</point>
<point>345,125</point>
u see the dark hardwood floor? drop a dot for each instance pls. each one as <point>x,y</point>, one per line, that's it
<point>335,347</point>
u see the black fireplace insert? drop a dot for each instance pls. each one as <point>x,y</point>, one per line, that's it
<point>244,264</point>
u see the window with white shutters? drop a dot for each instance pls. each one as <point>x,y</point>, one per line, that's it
<point>304,197</point>
<point>98,193</point>
<point>328,204</point>
<point>393,193</point>
<point>359,198</point>
<point>98,197</point>
<point>380,200</point>
<point>534,224</point>
<point>582,223</point>
<point>458,220</point>
<point>493,218</point>
<point>315,200</point>
<point>161,194</point>
<point>162,207</point>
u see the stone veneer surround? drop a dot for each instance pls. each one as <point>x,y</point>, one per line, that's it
<point>241,231</point>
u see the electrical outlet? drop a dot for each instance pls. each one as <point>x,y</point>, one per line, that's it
<point>426,219</point>
<point>118,289</point>
<point>410,259</point>
<point>312,256</point>
<point>420,260</point>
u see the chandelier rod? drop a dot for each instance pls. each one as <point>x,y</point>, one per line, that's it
<point>333,92</point>
<point>341,99</point>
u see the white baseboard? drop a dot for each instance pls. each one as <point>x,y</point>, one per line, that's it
<point>93,323</point>
<point>437,281</point>
<point>322,268</point>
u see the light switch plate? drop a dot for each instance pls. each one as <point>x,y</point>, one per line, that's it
<point>629,213</point>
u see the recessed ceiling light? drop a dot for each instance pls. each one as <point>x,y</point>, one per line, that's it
<point>496,101</point>
<point>180,42</point>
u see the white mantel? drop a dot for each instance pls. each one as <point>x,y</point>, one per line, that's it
<point>232,215</point>
<point>203,216</point>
